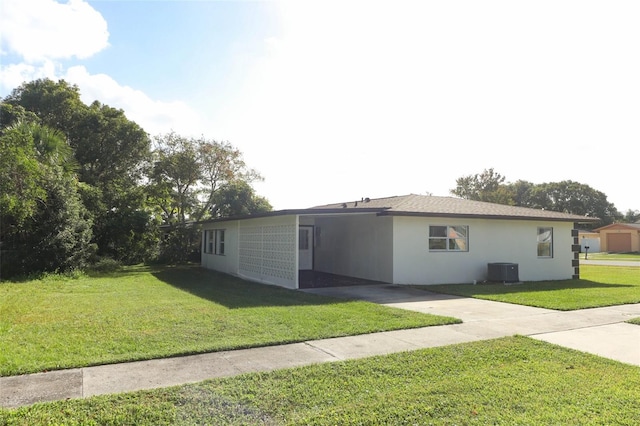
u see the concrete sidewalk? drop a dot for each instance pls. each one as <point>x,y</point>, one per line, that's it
<point>599,331</point>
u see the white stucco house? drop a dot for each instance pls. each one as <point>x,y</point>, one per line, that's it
<point>411,239</point>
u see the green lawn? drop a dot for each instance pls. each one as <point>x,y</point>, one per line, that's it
<point>509,381</point>
<point>598,286</point>
<point>143,313</point>
<point>611,256</point>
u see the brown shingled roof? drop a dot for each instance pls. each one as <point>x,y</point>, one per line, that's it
<point>426,205</point>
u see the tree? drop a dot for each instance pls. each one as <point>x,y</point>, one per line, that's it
<point>108,147</point>
<point>175,176</point>
<point>47,228</point>
<point>56,104</point>
<point>238,198</point>
<point>222,166</point>
<point>21,176</point>
<point>12,114</point>
<point>58,238</point>
<point>187,174</point>
<point>486,186</point>
<point>520,192</point>
<point>632,216</point>
<point>573,197</point>
<point>109,152</point>
<point>187,180</point>
<point>566,196</point>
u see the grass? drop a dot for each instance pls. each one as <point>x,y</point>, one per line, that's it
<point>144,313</point>
<point>598,286</point>
<point>513,380</point>
<point>612,256</point>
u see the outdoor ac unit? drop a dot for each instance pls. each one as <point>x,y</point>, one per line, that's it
<point>503,272</point>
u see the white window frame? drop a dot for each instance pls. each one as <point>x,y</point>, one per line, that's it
<point>545,242</point>
<point>208,241</point>
<point>219,235</point>
<point>451,243</point>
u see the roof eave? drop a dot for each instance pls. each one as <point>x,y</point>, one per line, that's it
<point>490,216</point>
<point>312,211</point>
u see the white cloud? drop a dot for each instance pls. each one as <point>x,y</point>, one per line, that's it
<point>37,30</point>
<point>154,116</point>
<point>13,75</point>
<point>41,32</point>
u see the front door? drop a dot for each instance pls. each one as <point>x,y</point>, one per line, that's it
<point>305,248</point>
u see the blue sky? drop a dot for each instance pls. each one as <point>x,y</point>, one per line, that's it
<point>337,100</point>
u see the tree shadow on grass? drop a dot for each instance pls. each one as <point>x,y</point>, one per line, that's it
<point>233,292</point>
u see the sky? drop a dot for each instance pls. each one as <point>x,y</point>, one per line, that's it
<point>334,101</point>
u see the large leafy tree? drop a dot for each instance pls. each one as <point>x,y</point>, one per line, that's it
<point>21,176</point>
<point>632,216</point>
<point>573,197</point>
<point>56,104</point>
<point>109,147</point>
<point>566,196</point>
<point>486,186</point>
<point>109,152</point>
<point>238,198</point>
<point>187,173</point>
<point>186,180</point>
<point>45,226</point>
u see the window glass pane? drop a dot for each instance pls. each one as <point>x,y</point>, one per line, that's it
<point>544,250</point>
<point>303,239</point>
<point>545,242</point>
<point>459,244</point>
<point>544,235</point>
<point>458,232</point>
<point>438,244</point>
<point>209,242</point>
<point>219,241</point>
<point>437,231</point>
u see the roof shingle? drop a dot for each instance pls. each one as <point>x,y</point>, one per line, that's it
<point>426,205</point>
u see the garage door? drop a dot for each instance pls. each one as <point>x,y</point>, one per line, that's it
<point>619,243</point>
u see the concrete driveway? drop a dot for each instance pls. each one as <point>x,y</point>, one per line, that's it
<point>600,331</point>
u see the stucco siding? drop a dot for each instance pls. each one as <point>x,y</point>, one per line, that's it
<point>358,246</point>
<point>489,241</point>
<point>227,263</point>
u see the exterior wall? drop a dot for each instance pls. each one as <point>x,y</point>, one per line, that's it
<point>358,246</point>
<point>617,229</point>
<point>490,241</point>
<point>261,249</point>
<point>227,263</point>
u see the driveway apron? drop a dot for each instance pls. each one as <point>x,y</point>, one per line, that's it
<point>600,331</point>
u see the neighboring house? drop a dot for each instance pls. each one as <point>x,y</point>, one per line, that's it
<point>620,237</point>
<point>412,239</point>
<point>589,239</point>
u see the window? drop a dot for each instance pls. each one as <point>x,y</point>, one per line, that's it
<point>219,241</point>
<point>545,242</point>
<point>208,241</point>
<point>303,239</point>
<point>448,238</point>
